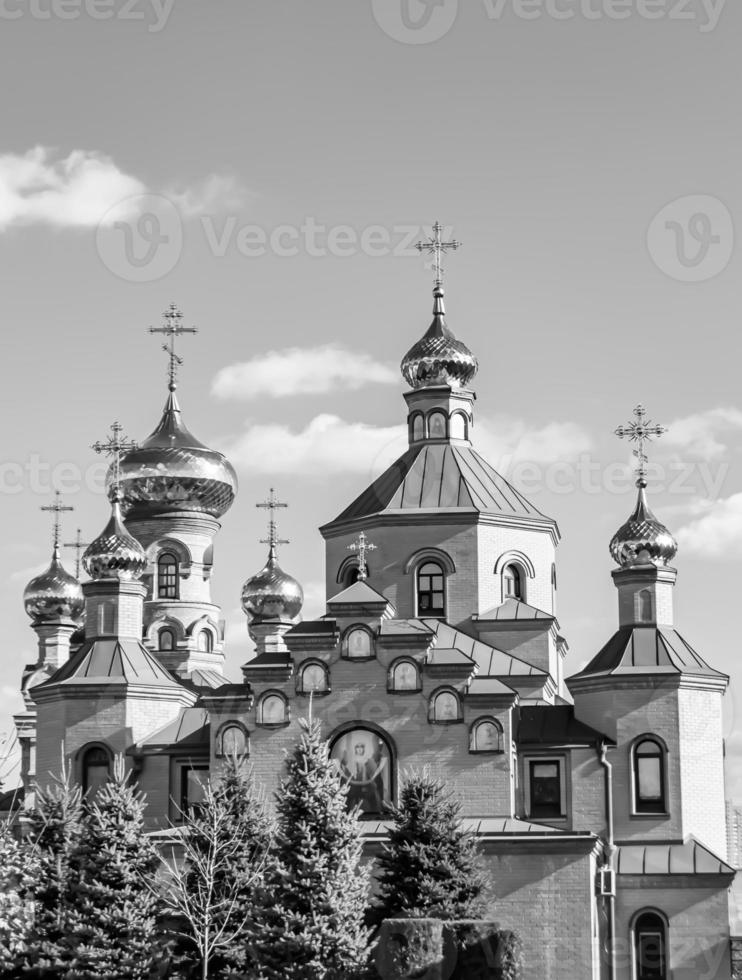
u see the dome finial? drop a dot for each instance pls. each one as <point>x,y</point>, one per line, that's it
<point>362,546</point>
<point>272,594</point>
<point>55,593</point>
<point>56,508</point>
<point>79,545</point>
<point>115,446</point>
<point>172,328</point>
<point>272,504</point>
<point>437,247</point>
<point>642,539</point>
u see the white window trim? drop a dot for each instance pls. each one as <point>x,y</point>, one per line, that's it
<point>563,787</point>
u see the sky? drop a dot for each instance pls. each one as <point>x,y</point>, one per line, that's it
<point>269,167</point>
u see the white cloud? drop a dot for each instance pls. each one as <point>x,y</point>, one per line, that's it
<point>503,440</point>
<point>87,188</point>
<point>301,371</point>
<point>700,434</point>
<point>314,599</point>
<point>716,532</point>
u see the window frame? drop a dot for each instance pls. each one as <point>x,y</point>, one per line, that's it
<point>529,762</point>
<point>382,735</point>
<point>286,710</point>
<point>513,571</point>
<point>660,927</point>
<point>391,689</point>
<point>430,422</point>
<point>182,770</point>
<point>87,750</point>
<point>641,807</point>
<point>171,633</point>
<point>208,635</point>
<point>478,723</point>
<point>169,559</point>
<point>431,591</point>
<point>219,744</point>
<point>345,646</point>
<point>300,679</point>
<point>432,711</point>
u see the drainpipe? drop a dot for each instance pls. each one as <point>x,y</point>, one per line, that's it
<point>610,854</point>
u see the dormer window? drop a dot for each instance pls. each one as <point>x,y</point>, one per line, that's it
<point>512,582</point>
<point>167,576</point>
<point>431,595</point>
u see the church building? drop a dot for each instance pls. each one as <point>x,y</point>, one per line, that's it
<point>598,798</point>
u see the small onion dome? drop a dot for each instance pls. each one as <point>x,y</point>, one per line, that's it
<point>643,539</point>
<point>115,554</point>
<point>172,471</point>
<point>55,594</point>
<point>272,594</point>
<point>438,358</point>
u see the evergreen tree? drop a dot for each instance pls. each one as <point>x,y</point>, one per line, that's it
<point>18,873</point>
<point>214,893</point>
<point>430,867</point>
<point>312,924</point>
<point>112,918</point>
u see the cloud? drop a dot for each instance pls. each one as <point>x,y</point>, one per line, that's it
<point>87,188</point>
<point>716,532</point>
<point>314,599</point>
<point>301,371</point>
<point>699,434</point>
<point>504,440</point>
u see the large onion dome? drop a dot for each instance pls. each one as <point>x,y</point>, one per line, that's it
<point>272,593</point>
<point>438,358</point>
<point>115,554</point>
<point>55,594</point>
<point>643,539</point>
<point>172,471</point>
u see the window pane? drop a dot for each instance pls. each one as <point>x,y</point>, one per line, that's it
<point>405,677</point>
<point>546,796</point>
<point>274,710</point>
<point>314,678</point>
<point>193,787</point>
<point>437,426</point>
<point>446,707</point>
<point>359,644</point>
<point>166,640</point>
<point>487,737</point>
<point>363,758</point>
<point>233,741</point>
<point>650,777</point>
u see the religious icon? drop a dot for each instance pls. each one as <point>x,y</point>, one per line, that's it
<point>363,759</point>
<point>446,707</point>
<point>313,678</point>
<point>274,710</point>
<point>405,677</point>
<point>233,741</point>
<point>487,737</point>
<point>359,644</point>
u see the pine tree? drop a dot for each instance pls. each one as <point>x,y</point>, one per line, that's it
<point>112,919</point>
<point>18,872</point>
<point>214,892</point>
<point>430,867</point>
<point>312,926</point>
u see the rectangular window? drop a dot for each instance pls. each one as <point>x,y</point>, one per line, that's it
<point>650,956</point>
<point>650,778</point>
<point>193,781</point>
<point>545,785</point>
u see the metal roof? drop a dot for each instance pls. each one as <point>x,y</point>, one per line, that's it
<point>648,649</point>
<point>513,610</point>
<point>190,729</point>
<point>123,661</point>
<point>490,661</point>
<point>555,725</point>
<point>688,857</point>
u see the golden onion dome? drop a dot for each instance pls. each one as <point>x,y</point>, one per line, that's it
<point>643,539</point>
<point>115,554</point>
<point>272,594</point>
<point>55,594</point>
<point>438,358</point>
<point>172,471</point>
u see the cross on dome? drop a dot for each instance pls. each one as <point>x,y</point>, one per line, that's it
<point>172,328</point>
<point>641,431</point>
<point>115,446</point>
<point>438,248</point>
<point>56,508</point>
<point>79,545</point>
<point>272,504</point>
<point>362,545</point>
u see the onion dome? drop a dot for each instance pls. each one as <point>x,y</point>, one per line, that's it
<point>272,593</point>
<point>172,471</point>
<point>643,539</point>
<point>115,554</point>
<point>55,594</point>
<point>438,358</point>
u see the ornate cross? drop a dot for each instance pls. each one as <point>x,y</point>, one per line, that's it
<point>272,504</point>
<point>56,508</point>
<point>438,248</point>
<point>641,431</point>
<point>362,545</point>
<point>172,328</point>
<point>115,446</point>
<point>79,545</point>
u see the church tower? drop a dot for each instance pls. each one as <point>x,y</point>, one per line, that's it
<point>651,692</point>
<point>174,492</point>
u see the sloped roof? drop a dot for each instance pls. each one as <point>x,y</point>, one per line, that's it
<point>190,729</point>
<point>487,685</point>
<point>488,826</point>
<point>555,725</point>
<point>112,660</point>
<point>647,649</point>
<point>449,657</point>
<point>439,476</point>
<point>359,594</point>
<point>204,677</point>
<point>404,627</point>
<point>687,858</point>
<point>490,661</point>
<point>515,610</point>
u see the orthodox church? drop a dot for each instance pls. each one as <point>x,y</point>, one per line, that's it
<point>598,799</point>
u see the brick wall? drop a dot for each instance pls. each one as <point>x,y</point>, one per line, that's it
<point>702,767</point>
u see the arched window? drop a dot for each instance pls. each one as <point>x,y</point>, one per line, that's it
<point>404,675</point>
<point>437,425</point>
<point>431,594</point>
<point>272,710</point>
<point>96,769</point>
<point>486,736</point>
<point>445,708</point>
<point>649,777</point>
<point>645,606</point>
<point>418,428</point>
<point>650,947</point>
<point>232,741</point>
<point>358,644</point>
<point>512,582</point>
<point>365,760</point>
<point>167,576</point>
<point>166,640</point>
<point>314,679</point>
<point>205,641</point>
<point>458,426</point>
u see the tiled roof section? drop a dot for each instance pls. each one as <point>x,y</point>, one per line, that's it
<point>441,477</point>
<point>122,661</point>
<point>555,725</point>
<point>490,661</point>
<point>687,858</point>
<point>189,730</point>
<point>513,610</point>
<point>648,649</point>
